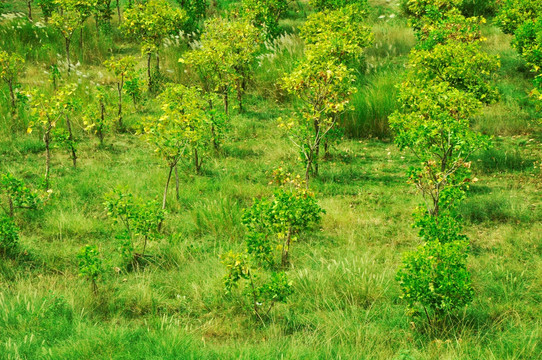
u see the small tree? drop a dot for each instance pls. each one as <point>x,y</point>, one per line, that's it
<point>90,265</point>
<point>515,13</point>
<point>277,222</point>
<point>48,111</point>
<point>265,14</point>
<point>325,89</point>
<point>423,12</point>
<point>96,119</point>
<point>18,195</point>
<point>150,23</point>
<point>67,19</point>
<point>123,69</point>
<point>141,220</point>
<point>183,128</point>
<point>435,278</point>
<point>11,66</point>
<point>262,289</point>
<point>195,11</point>
<point>224,57</point>
<point>47,8</point>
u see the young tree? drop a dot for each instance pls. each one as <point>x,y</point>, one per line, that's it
<point>67,19</point>
<point>182,129</point>
<point>423,12</point>
<point>224,57</point>
<point>96,118</point>
<point>123,69</point>
<point>276,223</point>
<point>195,11</point>
<point>48,111</point>
<point>47,8</point>
<point>18,195</point>
<point>141,219</point>
<point>325,89</point>
<point>265,14</point>
<point>90,265</point>
<point>515,13</point>
<point>150,23</point>
<point>11,66</point>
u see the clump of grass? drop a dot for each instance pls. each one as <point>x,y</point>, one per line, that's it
<point>502,160</point>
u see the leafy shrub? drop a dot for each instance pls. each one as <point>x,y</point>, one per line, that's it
<point>90,265</point>
<point>435,278</point>
<point>514,13</point>
<point>9,235</point>
<point>336,4</point>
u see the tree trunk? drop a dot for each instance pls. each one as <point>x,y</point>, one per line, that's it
<point>149,71</point>
<point>68,54</point>
<point>157,62</point>
<point>11,210</point>
<point>286,248</point>
<point>100,132</point>
<point>47,141</point>
<point>12,96</point>
<point>29,3</point>
<point>197,161</point>
<point>118,11</point>
<point>119,88</point>
<point>177,183</point>
<point>240,96</point>
<point>164,199</point>
<point>226,101</point>
<point>81,40</point>
<point>71,142</point>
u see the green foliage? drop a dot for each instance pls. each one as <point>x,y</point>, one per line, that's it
<point>195,11</point>
<point>47,8</point>
<point>9,235</point>
<point>423,12</point>
<point>18,195</point>
<point>90,264</point>
<point>141,219</point>
<point>514,13</point>
<point>149,23</point>
<point>225,56</point>
<point>461,65</point>
<point>325,89</point>
<point>96,119</point>
<point>337,34</point>
<point>435,278</point>
<point>261,289</point>
<point>275,223</point>
<point>486,8</point>
<point>265,14</point>
<point>453,27</point>
<point>336,4</point>
<point>11,67</point>
<point>124,70</point>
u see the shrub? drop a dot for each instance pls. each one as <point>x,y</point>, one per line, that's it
<point>9,235</point>
<point>435,278</point>
<point>90,265</point>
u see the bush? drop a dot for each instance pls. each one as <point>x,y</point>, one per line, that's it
<point>9,235</point>
<point>435,278</point>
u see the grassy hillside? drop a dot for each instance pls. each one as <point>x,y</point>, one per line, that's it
<point>346,302</point>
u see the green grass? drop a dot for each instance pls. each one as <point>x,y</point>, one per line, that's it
<point>346,300</point>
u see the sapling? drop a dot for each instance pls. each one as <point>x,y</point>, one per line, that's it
<point>11,66</point>
<point>67,20</point>
<point>141,219</point>
<point>123,69</point>
<point>182,129</point>
<point>96,119</point>
<point>18,195</point>
<point>150,23</point>
<point>90,265</point>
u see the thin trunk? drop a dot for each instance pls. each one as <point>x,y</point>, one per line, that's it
<point>71,142</point>
<point>29,3</point>
<point>94,287</point>
<point>149,71</point>
<point>100,132</point>
<point>157,62</point>
<point>12,95</point>
<point>316,154</point>
<point>240,96</point>
<point>177,183</point>
<point>68,54</point>
<point>226,101</point>
<point>81,40</point>
<point>118,11</point>
<point>164,199</point>
<point>119,88</point>
<point>307,171</point>
<point>47,141</point>
<point>197,162</point>
<point>213,134</point>
<point>144,246</point>
<point>286,248</point>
